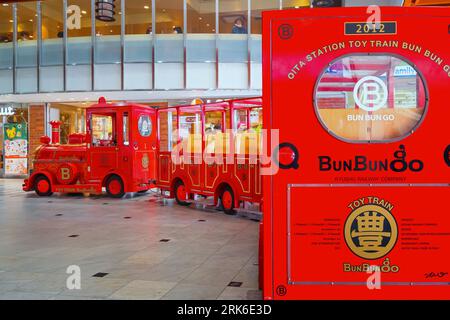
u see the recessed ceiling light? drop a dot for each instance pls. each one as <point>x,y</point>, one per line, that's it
<point>83,11</point>
<point>31,20</point>
<point>146,7</point>
<point>11,21</point>
<point>5,4</point>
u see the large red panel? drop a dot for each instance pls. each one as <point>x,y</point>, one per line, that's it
<point>318,58</point>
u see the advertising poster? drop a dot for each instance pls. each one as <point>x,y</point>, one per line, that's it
<point>15,148</point>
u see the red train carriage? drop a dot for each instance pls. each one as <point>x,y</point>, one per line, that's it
<point>211,150</point>
<point>117,152</point>
<point>360,210</point>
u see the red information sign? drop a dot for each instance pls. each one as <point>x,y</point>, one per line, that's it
<point>358,208</point>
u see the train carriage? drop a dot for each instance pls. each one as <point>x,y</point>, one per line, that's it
<point>211,150</point>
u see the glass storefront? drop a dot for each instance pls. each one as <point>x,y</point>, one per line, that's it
<point>13,140</point>
<point>71,116</point>
<point>86,45</point>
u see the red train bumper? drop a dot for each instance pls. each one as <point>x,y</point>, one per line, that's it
<point>26,185</point>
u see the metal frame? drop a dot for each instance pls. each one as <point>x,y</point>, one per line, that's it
<point>39,45</point>
<point>343,185</point>
<point>14,13</point>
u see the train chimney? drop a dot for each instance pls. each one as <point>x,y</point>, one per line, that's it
<point>56,125</point>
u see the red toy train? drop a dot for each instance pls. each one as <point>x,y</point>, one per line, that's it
<point>131,148</point>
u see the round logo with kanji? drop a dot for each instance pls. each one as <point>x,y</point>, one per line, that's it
<point>370,231</point>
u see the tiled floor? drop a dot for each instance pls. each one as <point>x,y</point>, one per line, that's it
<point>198,261</point>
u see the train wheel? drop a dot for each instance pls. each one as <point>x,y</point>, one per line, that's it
<point>114,187</point>
<point>42,186</point>
<point>227,201</point>
<point>180,194</point>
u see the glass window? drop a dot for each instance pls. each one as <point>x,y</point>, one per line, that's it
<point>78,32</point>
<point>169,16</point>
<point>247,130</point>
<point>6,36</point>
<point>26,34</point>
<point>167,129</point>
<point>145,126</point>
<point>201,16</point>
<point>126,129</point>
<point>72,119</point>
<point>295,4</point>
<point>103,133</point>
<point>214,137</point>
<point>256,13</point>
<point>108,29</point>
<point>190,134</point>
<point>6,48</point>
<point>138,31</point>
<point>370,98</point>
<point>52,32</point>
<point>233,16</point>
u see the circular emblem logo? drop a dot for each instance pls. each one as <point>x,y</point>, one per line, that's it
<point>370,231</point>
<point>285,31</point>
<point>145,161</point>
<point>447,155</point>
<point>370,93</point>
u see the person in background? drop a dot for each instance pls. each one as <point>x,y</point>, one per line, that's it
<point>149,30</point>
<point>177,30</point>
<point>238,27</point>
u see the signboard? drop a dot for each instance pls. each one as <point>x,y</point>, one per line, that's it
<point>6,111</point>
<point>358,211</point>
<point>15,148</point>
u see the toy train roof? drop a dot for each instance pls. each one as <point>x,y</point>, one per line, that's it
<point>102,103</point>
<point>237,103</point>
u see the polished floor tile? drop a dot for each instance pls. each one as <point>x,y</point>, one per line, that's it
<point>139,247</point>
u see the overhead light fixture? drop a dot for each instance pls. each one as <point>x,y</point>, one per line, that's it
<point>146,7</point>
<point>83,11</point>
<point>31,20</point>
<point>104,10</point>
<point>5,4</point>
<point>11,21</point>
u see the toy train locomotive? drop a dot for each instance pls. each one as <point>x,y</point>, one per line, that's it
<point>120,160</point>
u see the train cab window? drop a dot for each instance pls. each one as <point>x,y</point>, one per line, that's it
<point>370,98</point>
<point>214,136</point>
<point>103,131</point>
<point>167,128</point>
<point>190,134</point>
<point>126,129</point>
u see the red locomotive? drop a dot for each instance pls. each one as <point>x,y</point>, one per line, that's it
<point>117,152</point>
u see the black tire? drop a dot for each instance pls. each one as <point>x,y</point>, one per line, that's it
<point>181,202</point>
<point>41,193</point>
<point>111,191</point>
<point>230,208</point>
